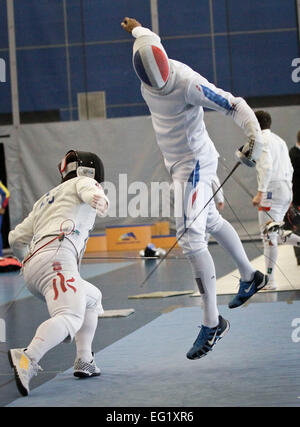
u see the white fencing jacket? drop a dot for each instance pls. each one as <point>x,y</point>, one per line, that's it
<point>274,163</point>
<point>71,207</point>
<point>177,113</point>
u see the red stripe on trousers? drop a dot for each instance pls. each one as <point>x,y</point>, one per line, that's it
<point>55,289</point>
<point>70,286</point>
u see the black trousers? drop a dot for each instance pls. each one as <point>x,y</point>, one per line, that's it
<point>297,252</point>
<point>287,226</point>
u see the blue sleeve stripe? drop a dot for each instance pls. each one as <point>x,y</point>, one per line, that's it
<point>217,99</point>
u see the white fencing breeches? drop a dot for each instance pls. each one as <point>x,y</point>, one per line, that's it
<point>52,275</point>
<point>276,202</point>
<point>198,191</point>
<point>192,190</point>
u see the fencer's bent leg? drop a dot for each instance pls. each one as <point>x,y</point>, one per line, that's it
<point>228,238</point>
<point>271,254</point>
<point>194,244</point>
<point>276,202</point>
<point>204,272</point>
<point>58,283</point>
<point>67,315</point>
<point>84,337</point>
<point>48,335</point>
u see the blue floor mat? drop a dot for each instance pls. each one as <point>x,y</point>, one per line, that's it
<point>256,364</point>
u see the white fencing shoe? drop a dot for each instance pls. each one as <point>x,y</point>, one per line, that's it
<point>84,369</point>
<point>24,369</point>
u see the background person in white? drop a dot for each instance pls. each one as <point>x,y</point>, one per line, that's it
<point>176,95</point>
<point>274,194</point>
<point>56,232</point>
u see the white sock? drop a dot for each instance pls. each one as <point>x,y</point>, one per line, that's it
<point>48,335</point>
<point>228,238</point>
<point>84,337</point>
<point>205,275</point>
<point>270,253</point>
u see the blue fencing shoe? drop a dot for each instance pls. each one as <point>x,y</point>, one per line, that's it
<point>207,338</point>
<point>247,289</point>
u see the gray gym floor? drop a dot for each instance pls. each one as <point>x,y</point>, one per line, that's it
<point>142,356</point>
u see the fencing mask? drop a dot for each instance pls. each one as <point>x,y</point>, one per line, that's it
<point>150,62</point>
<point>81,163</point>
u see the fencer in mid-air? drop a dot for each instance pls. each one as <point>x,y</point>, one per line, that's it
<point>175,95</point>
<point>274,195</point>
<point>51,242</point>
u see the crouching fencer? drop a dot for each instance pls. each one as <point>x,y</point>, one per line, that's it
<point>176,95</point>
<point>274,195</point>
<point>56,232</point>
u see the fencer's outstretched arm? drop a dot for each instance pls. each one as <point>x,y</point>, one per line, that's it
<point>134,27</point>
<point>128,24</point>
<point>201,92</point>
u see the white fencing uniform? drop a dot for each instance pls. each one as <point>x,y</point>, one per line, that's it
<point>191,159</point>
<point>218,198</point>
<point>51,267</point>
<point>274,176</point>
<point>273,167</point>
